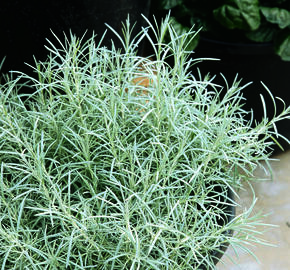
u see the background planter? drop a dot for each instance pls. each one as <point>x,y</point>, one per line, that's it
<point>26,24</point>
<point>252,62</point>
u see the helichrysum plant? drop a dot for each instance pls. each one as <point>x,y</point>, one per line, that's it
<point>120,162</point>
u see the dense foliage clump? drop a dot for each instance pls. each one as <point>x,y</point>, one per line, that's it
<point>100,170</point>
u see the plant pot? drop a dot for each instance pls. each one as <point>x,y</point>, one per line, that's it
<point>229,214</point>
<point>253,62</point>
<point>25,25</point>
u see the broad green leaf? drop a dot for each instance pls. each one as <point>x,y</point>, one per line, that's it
<point>168,4</point>
<point>277,16</point>
<point>262,34</point>
<point>240,14</point>
<point>282,47</point>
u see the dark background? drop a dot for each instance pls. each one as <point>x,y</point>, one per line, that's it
<point>25,25</point>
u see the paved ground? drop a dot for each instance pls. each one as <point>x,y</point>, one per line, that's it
<point>274,197</point>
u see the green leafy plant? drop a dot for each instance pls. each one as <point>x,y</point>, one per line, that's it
<point>236,20</point>
<point>120,162</point>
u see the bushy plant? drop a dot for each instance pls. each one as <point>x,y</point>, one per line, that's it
<point>100,170</point>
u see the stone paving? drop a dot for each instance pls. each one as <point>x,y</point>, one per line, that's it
<point>274,198</point>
